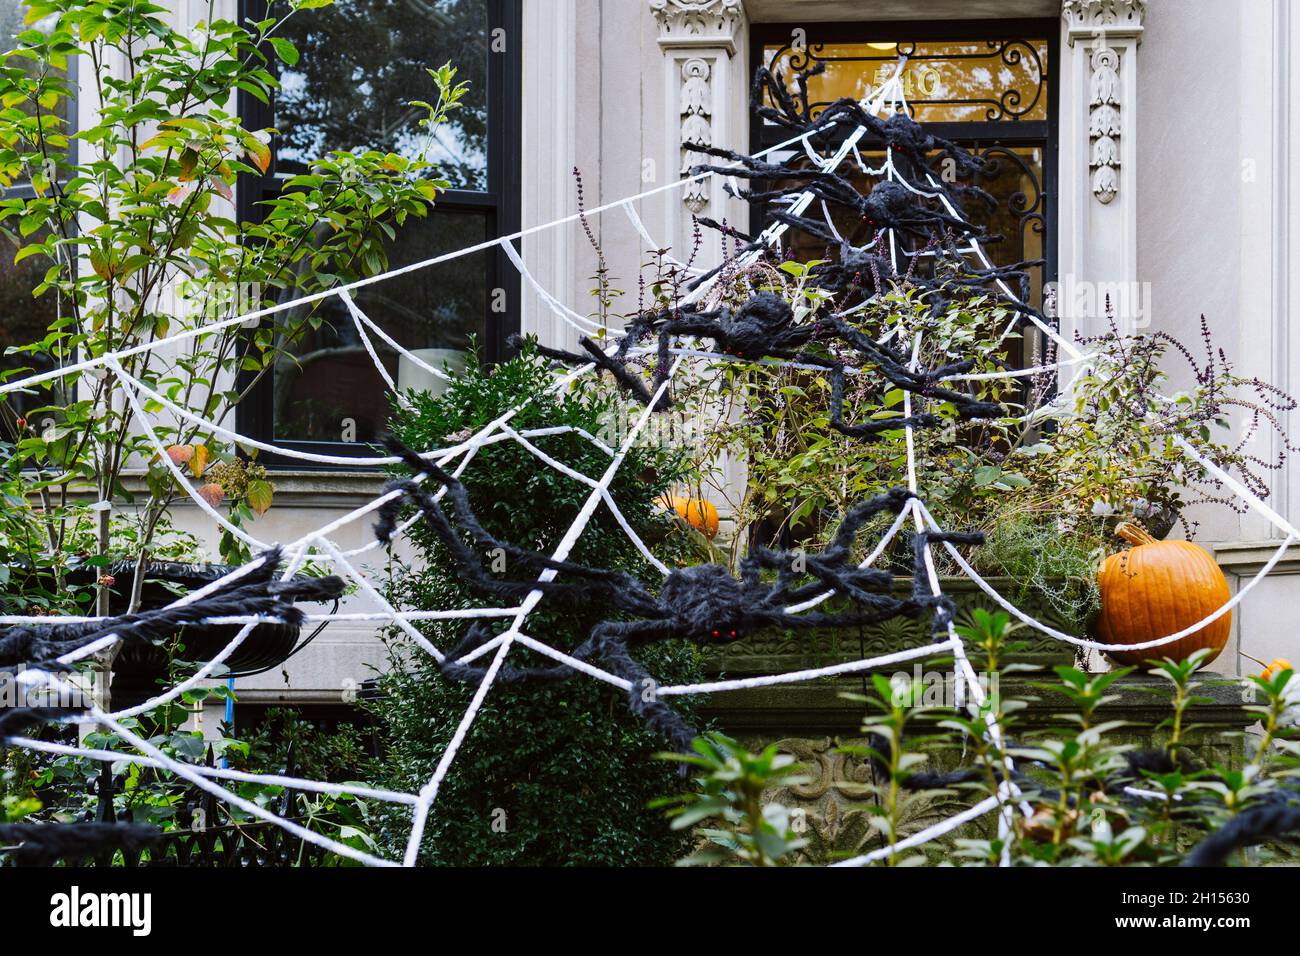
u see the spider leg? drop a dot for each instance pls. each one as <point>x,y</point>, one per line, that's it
<point>831,569</point>
<point>609,643</point>
<point>614,364</point>
<point>869,430</point>
<point>474,671</point>
<point>621,589</point>
<point>944,609</point>
<point>882,608</point>
<point>899,375</point>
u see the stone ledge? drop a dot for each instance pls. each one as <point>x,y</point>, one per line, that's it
<point>1248,557</point>
<point>817,708</point>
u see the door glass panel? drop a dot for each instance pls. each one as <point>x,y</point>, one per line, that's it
<point>950,81</point>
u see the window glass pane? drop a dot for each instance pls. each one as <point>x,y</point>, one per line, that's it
<point>329,389</point>
<point>23,320</point>
<point>362,61</point>
<point>949,81</point>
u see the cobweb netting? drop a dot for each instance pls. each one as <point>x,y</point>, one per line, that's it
<point>909,215</point>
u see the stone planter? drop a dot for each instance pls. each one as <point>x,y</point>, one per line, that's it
<point>774,652</point>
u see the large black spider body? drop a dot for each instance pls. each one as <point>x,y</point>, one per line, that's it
<point>703,603</point>
<point>764,327</point>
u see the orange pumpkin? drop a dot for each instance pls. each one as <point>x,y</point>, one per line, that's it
<point>697,512</point>
<point>1155,589</point>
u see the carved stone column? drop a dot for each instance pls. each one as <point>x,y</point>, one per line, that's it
<point>1098,145</point>
<point>704,94</point>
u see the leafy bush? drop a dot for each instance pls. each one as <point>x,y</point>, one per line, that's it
<point>743,830</point>
<point>1093,799</point>
<point>547,775</point>
<point>129,225</point>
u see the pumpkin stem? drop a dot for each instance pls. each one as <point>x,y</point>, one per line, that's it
<point>1133,533</point>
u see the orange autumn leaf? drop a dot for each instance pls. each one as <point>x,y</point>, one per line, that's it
<point>180,454</point>
<point>212,493</point>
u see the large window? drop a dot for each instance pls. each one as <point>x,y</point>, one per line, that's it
<point>986,85</point>
<point>361,62</point>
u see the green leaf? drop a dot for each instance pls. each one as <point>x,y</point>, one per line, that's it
<point>285,50</point>
<point>259,496</point>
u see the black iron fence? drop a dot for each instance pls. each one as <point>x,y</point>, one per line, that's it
<point>197,842</point>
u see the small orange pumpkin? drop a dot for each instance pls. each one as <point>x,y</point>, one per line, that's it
<point>1155,589</point>
<point>697,512</point>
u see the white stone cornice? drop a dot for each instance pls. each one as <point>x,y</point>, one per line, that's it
<point>699,23</point>
<point>1115,19</point>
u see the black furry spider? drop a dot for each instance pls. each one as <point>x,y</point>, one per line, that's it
<point>259,591</point>
<point>899,132</point>
<point>889,204</point>
<point>764,327</point>
<point>702,603</point>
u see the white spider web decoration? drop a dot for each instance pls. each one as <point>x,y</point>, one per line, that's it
<point>318,545</point>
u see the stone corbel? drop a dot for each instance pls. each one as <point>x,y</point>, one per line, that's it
<point>699,39</point>
<point>1106,32</point>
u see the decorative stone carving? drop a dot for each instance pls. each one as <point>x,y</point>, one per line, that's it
<point>832,805</point>
<point>684,23</point>
<point>696,106</point>
<point>1110,15</point>
<point>1109,30</point>
<point>704,34</point>
<point>1104,123</point>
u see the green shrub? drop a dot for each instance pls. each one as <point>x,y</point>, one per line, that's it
<point>1047,562</point>
<point>552,775</point>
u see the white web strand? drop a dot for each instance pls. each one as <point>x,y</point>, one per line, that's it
<point>188,772</point>
<point>430,791</point>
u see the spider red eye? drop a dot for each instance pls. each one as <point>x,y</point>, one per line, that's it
<point>715,633</point>
<point>733,633</point>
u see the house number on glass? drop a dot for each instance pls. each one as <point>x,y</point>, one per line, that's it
<point>924,80</point>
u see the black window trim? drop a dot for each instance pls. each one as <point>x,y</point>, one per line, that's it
<point>502,200</point>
